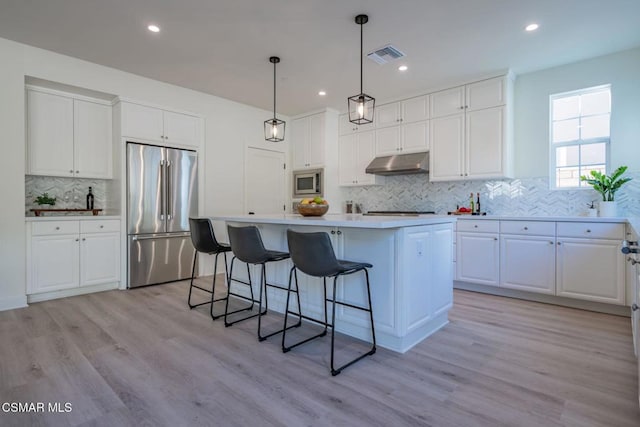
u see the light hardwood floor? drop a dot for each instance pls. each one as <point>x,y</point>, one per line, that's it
<point>141,357</point>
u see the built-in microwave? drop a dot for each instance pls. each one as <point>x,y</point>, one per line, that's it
<point>308,183</point>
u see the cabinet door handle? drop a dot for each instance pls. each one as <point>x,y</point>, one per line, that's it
<point>588,231</point>
<point>551,243</point>
<point>526,228</point>
<point>77,240</point>
<point>102,226</point>
<point>84,239</point>
<point>634,307</point>
<point>559,243</point>
<point>77,171</point>
<point>475,226</point>
<point>71,171</point>
<point>495,238</point>
<point>57,228</point>
<point>633,261</point>
<point>333,231</point>
<point>461,107</point>
<point>339,232</point>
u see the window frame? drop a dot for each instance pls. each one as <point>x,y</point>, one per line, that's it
<point>579,142</point>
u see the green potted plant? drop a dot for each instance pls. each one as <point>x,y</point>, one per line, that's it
<point>607,186</point>
<point>45,199</point>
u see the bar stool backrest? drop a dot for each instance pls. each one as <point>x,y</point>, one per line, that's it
<point>202,236</point>
<point>312,253</point>
<point>247,245</point>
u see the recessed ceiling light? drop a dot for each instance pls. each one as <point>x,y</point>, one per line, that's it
<point>403,68</point>
<point>531,27</point>
<point>153,28</point>
<point>322,93</point>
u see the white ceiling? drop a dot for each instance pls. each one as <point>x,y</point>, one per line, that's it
<point>222,47</point>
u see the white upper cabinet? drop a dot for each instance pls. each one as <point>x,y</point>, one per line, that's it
<point>447,102</point>
<point>402,127</point>
<point>388,115</point>
<point>154,124</point>
<point>355,153</point>
<point>345,127</point>
<point>49,134</point>
<point>486,94</point>
<point>480,114</point>
<point>68,137</point>
<point>308,141</point>
<point>92,136</point>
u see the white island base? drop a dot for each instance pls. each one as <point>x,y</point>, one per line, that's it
<point>411,279</point>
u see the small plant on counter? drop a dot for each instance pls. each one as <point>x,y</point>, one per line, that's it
<point>606,185</point>
<point>45,199</point>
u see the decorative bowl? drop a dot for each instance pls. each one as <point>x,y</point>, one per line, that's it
<point>312,209</point>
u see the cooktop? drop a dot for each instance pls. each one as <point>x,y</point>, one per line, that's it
<point>398,213</point>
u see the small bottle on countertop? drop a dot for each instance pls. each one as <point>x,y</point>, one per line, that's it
<point>471,203</point>
<point>90,199</point>
<point>478,203</point>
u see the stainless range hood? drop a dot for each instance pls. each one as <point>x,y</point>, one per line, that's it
<point>400,164</point>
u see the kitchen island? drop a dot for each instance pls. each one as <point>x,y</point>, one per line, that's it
<point>411,278</point>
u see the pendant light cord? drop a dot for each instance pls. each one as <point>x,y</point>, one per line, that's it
<point>274,91</point>
<point>361,52</point>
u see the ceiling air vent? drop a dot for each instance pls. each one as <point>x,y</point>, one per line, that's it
<point>385,54</point>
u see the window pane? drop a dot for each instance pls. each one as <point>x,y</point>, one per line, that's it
<point>567,177</point>
<point>596,103</point>
<point>566,130</point>
<point>595,127</point>
<point>593,154</point>
<point>586,170</point>
<point>567,156</point>
<point>566,108</point>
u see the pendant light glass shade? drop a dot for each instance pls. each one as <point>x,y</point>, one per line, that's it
<point>274,128</point>
<point>361,106</point>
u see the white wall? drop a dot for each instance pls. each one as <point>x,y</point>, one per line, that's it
<point>621,70</point>
<point>229,128</point>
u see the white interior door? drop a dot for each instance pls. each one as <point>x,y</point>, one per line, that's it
<point>264,182</point>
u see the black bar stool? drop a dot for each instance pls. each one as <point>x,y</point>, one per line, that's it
<point>312,253</point>
<point>205,241</point>
<point>247,246</point>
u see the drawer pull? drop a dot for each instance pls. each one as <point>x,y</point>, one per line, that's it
<point>475,226</point>
<point>102,226</point>
<point>57,228</point>
<point>588,231</point>
<point>77,240</point>
<point>551,243</point>
<point>526,228</point>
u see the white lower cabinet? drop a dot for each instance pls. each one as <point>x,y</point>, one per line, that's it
<point>569,259</point>
<point>63,255</point>
<point>478,258</point>
<point>528,263</point>
<point>54,262</point>
<point>590,269</point>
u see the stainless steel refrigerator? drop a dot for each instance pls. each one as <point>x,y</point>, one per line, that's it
<point>162,194</point>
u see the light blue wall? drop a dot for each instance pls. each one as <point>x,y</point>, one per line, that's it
<point>532,90</point>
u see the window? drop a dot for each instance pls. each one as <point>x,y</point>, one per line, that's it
<point>579,135</point>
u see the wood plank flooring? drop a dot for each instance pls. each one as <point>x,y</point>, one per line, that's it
<point>141,357</point>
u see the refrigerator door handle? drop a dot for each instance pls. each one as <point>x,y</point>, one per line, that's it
<point>162,190</point>
<point>169,189</point>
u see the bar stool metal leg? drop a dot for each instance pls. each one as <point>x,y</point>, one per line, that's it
<point>230,279</point>
<point>335,371</point>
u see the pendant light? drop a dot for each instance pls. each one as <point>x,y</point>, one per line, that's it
<point>361,106</point>
<point>274,128</point>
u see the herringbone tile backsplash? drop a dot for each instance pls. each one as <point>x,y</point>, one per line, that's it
<point>517,197</point>
<point>70,193</point>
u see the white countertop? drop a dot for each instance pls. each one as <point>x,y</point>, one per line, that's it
<point>544,218</point>
<point>635,224</point>
<point>340,220</point>
<point>70,218</point>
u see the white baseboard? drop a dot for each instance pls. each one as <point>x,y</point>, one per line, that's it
<point>14,302</point>
<point>45,296</point>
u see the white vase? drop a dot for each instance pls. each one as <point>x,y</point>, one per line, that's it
<point>607,209</point>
